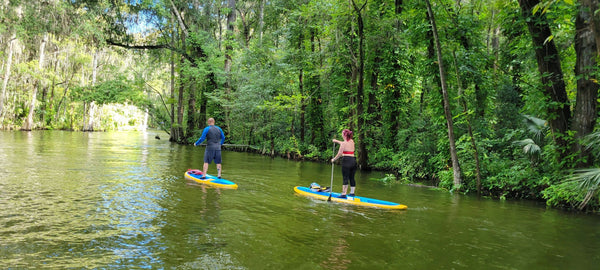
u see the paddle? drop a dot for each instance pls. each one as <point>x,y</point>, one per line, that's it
<point>331,186</point>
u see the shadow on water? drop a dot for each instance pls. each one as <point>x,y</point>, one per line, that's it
<point>119,200</point>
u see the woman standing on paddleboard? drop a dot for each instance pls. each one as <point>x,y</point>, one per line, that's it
<point>346,152</point>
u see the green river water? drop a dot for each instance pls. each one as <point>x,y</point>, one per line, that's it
<point>119,200</point>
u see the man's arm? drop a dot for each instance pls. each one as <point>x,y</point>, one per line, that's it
<point>222,136</point>
<point>203,137</point>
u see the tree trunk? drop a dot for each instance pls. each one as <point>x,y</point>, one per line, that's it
<point>146,113</point>
<point>229,39</point>
<point>179,18</point>
<point>92,107</point>
<point>315,108</point>
<point>301,87</point>
<point>594,20</point>
<point>179,127</point>
<point>463,102</point>
<point>372,104</point>
<point>192,114</point>
<point>179,130</point>
<point>551,73</point>
<point>174,135</point>
<point>7,70</point>
<point>261,20</point>
<point>432,67</point>
<point>62,99</point>
<point>455,165</point>
<point>398,6</point>
<point>302,104</point>
<point>85,104</point>
<point>45,101</point>
<point>585,115</point>
<point>28,125</point>
<point>363,155</point>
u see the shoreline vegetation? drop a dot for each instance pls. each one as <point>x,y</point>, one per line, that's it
<point>389,175</point>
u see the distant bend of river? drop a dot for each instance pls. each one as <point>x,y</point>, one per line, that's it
<point>119,200</point>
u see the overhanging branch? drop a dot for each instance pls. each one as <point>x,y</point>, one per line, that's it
<point>138,47</point>
<point>153,47</point>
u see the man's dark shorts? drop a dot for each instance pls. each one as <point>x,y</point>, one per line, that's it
<point>210,155</point>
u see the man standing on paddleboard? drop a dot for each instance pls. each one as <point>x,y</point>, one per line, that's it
<point>214,139</point>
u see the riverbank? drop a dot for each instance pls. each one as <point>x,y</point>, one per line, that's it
<point>516,189</point>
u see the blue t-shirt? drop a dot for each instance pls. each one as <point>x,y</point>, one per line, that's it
<point>214,137</point>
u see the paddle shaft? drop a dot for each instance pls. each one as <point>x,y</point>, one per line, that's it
<point>331,186</point>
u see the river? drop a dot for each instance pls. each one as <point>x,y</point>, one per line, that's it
<point>119,200</point>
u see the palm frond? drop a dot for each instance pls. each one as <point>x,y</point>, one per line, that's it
<point>533,121</point>
<point>592,141</point>
<point>529,147</point>
<point>536,126</point>
<point>589,182</point>
<point>587,179</point>
<point>523,142</point>
<point>532,149</point>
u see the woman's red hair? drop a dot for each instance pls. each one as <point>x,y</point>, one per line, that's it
<point>347,134</point>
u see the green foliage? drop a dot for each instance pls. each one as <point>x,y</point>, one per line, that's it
<point>508,105</point>
<point>567,195</point>
<point>388,178</point>
<point>446,178</point>
<point>514,181</point>
<point>314,153</point>
<point>116,91</point>
<point>580,189</point>
<point>120,117</point>
<point>290,146</point>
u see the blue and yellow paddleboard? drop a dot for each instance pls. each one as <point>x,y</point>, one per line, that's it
<point>196,175</point>
<point>356,200</point>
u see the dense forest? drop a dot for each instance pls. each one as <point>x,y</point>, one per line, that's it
<point>491,97</point>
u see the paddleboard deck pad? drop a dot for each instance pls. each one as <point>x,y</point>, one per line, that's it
<point>356,200</point>
<point>196,175</point>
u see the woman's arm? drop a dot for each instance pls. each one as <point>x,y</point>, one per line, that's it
<point>339,153</point>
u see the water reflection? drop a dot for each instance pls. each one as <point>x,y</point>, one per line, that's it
<point>339,256</point>
<point>119,200</point>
